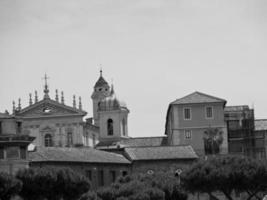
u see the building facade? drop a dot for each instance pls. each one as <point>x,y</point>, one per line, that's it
<point>53,123</point>
<point>13,144</point>
<point>246,136</point>
<point>198,120</point>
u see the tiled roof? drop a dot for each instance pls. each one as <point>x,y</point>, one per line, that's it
<point>260,124</point>
<point>161,153</point>
<point>198,97</point>
<point>85,155</point>
<point>136,142</point>
<point>100,82</point>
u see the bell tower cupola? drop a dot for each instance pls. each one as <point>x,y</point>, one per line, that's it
<point>101,90</point>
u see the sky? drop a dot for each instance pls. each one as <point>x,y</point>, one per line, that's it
<point>155,51</point>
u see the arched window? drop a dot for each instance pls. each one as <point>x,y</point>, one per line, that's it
<point>69,139</point>
<point>110,126</point>
<point>48,140</point>
<point>123,127</point>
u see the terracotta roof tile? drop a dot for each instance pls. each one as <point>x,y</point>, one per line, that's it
<point>86,155</point>
<point>161,153</point>
<point>136,142</point>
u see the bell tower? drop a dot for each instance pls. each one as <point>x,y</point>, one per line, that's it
<point>113,118</point>
<point>101,90</point>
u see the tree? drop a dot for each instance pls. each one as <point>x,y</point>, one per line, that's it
<point>226,175</point>
<point>52,183</point>
<point>9,186</point>
<point>158,186</point>
<point>213,139</point>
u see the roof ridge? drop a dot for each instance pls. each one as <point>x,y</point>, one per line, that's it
<point>162,146</point>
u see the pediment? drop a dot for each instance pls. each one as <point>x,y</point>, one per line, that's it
<point>49,108</point>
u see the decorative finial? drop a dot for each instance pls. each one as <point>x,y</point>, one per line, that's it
<point>30,99</point>
<point>62,97</point>
<point>57,95</point>
<point>36,96</point>
<point>46,90</point>
<point>74,101</point>
<point>13,107</point>
<point>80,103</point>
<point>19,104</point>
<point>100,66</point>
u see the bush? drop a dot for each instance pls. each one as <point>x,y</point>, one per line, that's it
<point>158,186</point>
<point>9,186</point>
<point>52,183</point>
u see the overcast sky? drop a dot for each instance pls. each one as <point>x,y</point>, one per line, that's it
<point>155,51</point>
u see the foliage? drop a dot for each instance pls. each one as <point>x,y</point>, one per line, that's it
<point>212,140</point>
<point>160,186</point>
<point>89,196</point>
<point>52,183</point>
<point>226,174</point>
<point>9,186</point>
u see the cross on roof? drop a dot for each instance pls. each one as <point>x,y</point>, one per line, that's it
<point>45,78</point>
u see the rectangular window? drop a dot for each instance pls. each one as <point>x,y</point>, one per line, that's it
<point>112,176</point>
<point>19,127</point>
<point>209,112</point>
<point>188,134</point>
<point>124,173</point>
<point>23,152</point>
<point>101,178</point>
<point>2,153</point>
<point>187,113</point>
<point>94,140</point>
<point>12,152</point>
<point>88,174</point>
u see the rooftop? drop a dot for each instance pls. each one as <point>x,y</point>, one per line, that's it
<point>198,97</point>
<point>136,142</point>
<point>260,124</point>
<point>83,155</point>
<point>236,108</point>
<point>161,153</point>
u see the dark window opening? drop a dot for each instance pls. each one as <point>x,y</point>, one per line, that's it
<point>2,153</point>
<point>12,152</point>
<point>209,112</point>
<point>113,176</point>
<point>48,140</point>
<point>101,178</point>
<point>0,127</point>
<point>19,127</point>
<point>123,127</point>
<point>88,174</point>
<point>94,140</point>
<point>69,139</point>
<point>110,126</point>
<point>23,152</point>
<point>187,113</point>
<point>124,173</point>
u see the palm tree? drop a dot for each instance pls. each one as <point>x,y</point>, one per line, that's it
<point>213,139</point>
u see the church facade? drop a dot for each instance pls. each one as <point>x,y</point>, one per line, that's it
<point>55,124</point>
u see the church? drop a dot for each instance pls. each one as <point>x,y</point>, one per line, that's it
<point>100,147</point>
